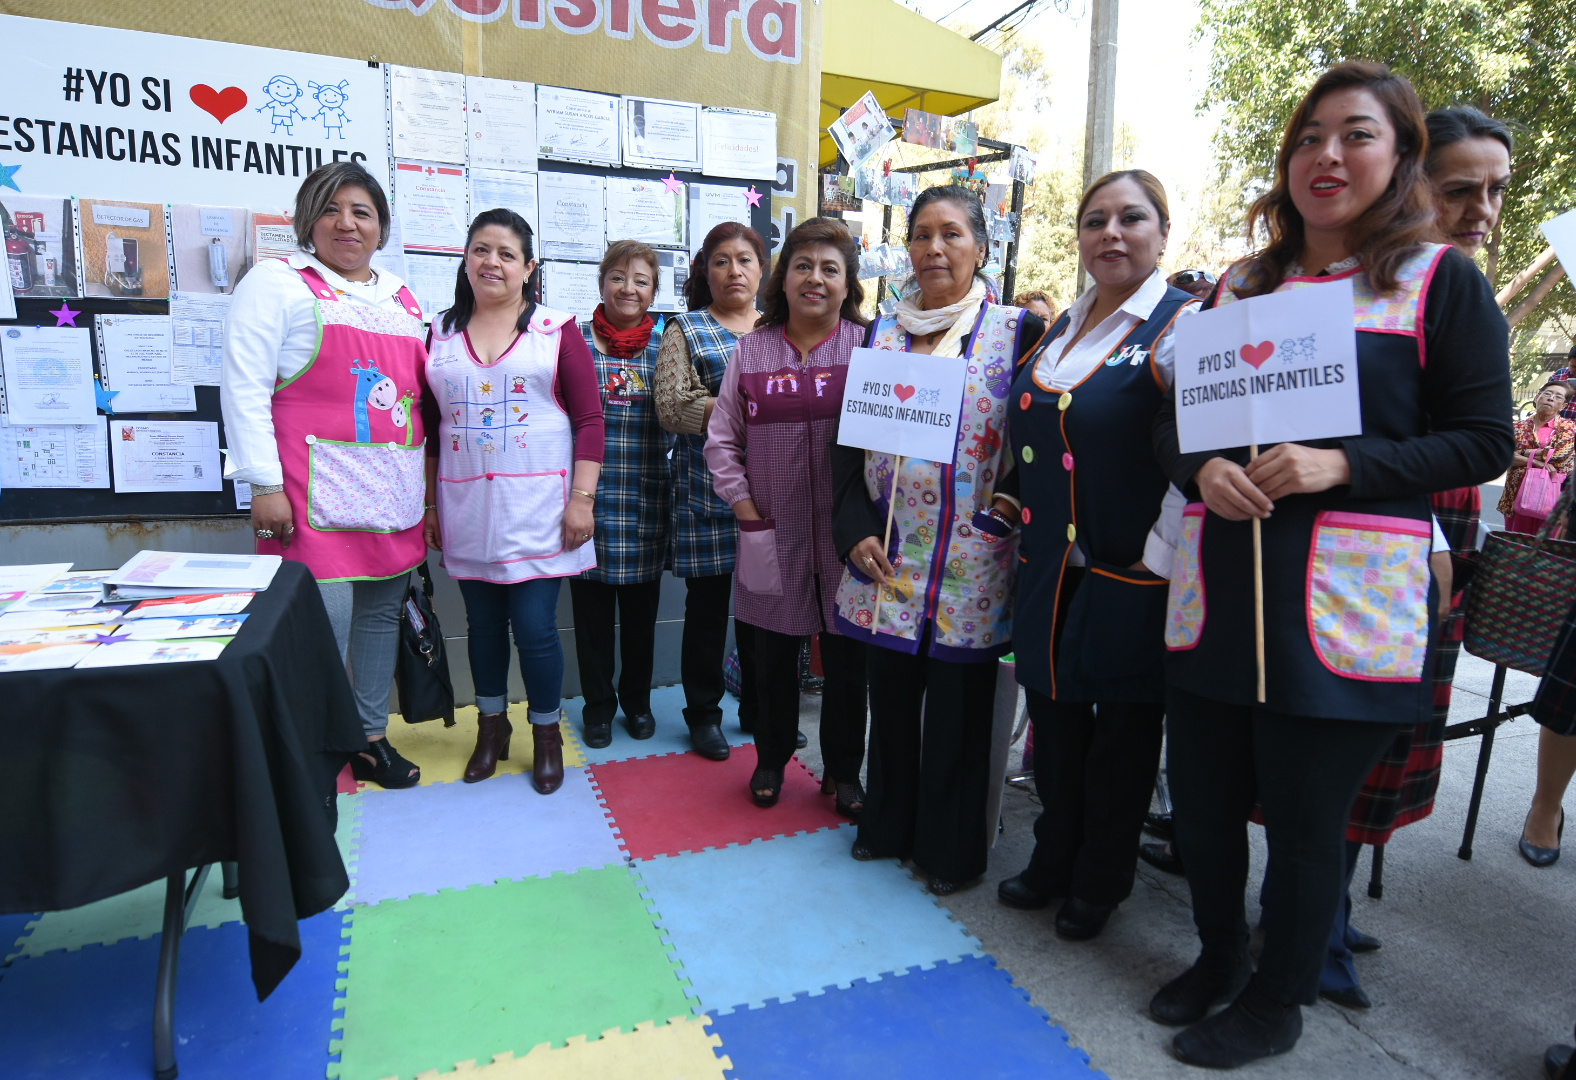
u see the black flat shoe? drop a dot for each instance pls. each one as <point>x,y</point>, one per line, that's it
<point>766,786</point>
<point>1352,997</point>
<point>387,769</point>
<point>1079,920</point>
<point>598,734</point>
<point>1554,1059</point>
<point>862,853</point>
<point>709,742</point>
<point>641,725</point>
<point>1238,1034</point>
<point>1160,825</point>
<point>1359,942</point>
<point>799,741</point>
<point>1212,979</point>
<point>1015,892</point>
<point>1162,857</point>
<point>942,887</point>
<point>1541,856</point>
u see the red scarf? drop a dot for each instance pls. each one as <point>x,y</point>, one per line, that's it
<point>622,344</point>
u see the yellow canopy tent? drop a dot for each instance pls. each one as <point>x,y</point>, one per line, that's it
<point>906,60</point>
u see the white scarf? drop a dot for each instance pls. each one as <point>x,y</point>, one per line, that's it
<point>957,319</point>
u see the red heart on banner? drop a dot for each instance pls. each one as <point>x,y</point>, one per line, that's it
<point>1257,354</point>
<point>220,104</point>
<point>903,392</point>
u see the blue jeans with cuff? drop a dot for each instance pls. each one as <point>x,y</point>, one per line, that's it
<point>531,608</point>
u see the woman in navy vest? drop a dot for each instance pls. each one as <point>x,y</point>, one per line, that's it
<point>1090,605</point>
<point>1349,601</point>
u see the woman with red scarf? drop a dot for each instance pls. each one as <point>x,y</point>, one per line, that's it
<point>632,510</point>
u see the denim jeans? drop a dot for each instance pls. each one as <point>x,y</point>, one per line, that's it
<point>532,608</point>
<point>365,616</point>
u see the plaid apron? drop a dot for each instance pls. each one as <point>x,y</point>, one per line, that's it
<point>704,532</point>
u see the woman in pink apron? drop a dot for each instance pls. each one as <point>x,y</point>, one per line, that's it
<point>322,385</point>
<point>520,431</point>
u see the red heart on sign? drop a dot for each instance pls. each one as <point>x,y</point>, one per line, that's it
<point>1257,354</point>
<point>903,392</point>
<point>220,104</point>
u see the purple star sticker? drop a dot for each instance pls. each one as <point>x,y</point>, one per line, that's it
<point>672,183</point>
<point>752,196</point>
<point>111,638</point>
<point>64,316</point>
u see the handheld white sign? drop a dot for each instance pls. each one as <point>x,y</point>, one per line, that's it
<point>1561,232</point>
<point>902,403</point>
<point>1275,368</point>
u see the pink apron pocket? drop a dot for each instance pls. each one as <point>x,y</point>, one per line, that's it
<point>1368,581</point>
<point>1185,599</point>
<point>364,487</point>
<point>757,558</point>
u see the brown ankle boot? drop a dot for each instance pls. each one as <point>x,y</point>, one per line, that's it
<point>492,746</point>
<point>547,772</point>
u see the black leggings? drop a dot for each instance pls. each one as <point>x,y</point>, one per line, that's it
<point>776,717</point>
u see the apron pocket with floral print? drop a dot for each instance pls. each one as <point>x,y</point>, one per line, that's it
<point>1185,598</point>
<point>1368,579</point>
<point>757,558</point>
<point>366,487</point>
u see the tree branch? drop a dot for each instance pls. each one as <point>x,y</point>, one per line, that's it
<point>1520,281</point>
<point>1544,287</point>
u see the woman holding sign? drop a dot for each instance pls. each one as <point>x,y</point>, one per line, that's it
<point>1091,599</point>
<point>1349,609</point>
<point>768,448</point>
<point>930,568</point>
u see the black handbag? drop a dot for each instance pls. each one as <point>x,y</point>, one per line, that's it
<point>422,675</point>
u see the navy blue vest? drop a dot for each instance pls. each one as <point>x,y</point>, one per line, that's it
<point>1087,475</point>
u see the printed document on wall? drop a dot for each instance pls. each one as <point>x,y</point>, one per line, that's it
<point>661,134</point>
<point>571,287</point>
<point>427,113</point>
<point>709,206</point>
<point>170,455</point>
<point>645,210</point>
<point>134,357</point>
<point>430,201</point>
<point>501,118</point>
<point>432,278</point>
<point>48,374</point>
<point>577,125</point>
<point>739,144</point>
<point>197,337</point>
<point>493,188</point>
<point>571,208</point>
<point>54,455</point>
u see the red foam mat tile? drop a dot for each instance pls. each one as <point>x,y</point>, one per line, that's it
<point>683,802</point>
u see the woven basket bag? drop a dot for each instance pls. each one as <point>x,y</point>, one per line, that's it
<point>1521,593</point>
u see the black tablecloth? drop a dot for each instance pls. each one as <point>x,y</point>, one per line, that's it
<point>115,777</point>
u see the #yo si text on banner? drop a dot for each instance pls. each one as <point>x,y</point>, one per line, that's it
<point>902,403</point>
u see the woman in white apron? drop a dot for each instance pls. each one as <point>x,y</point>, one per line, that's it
<point>519,451</point>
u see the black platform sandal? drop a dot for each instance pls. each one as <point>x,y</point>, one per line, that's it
<point>850,798</point>
<point>387,769</point>
<point>769,781</point>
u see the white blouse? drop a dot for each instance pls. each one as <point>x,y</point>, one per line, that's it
<point>270,334</point>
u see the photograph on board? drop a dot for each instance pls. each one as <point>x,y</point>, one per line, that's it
<point>124,249</point>
<point>40,250</point>
<point>213,246</point>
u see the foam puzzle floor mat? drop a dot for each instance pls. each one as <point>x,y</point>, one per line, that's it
<point>645,922</point>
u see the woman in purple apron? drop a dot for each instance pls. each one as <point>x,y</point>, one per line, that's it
<point>321,392</point>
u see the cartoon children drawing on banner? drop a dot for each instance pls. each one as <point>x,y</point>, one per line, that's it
<point>283,92</point>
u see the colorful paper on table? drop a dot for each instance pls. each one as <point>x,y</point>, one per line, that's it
<point>198,626</point>
<point>1275,368</point>
<point>63,601</point>
<point>11,620</point>
<point>186,606</point>
<point>29,576</point>
<point>128,653</point>
<point>197,570</point>
<point>55,455</point>
<point>45,657</point>
<point>902,403</point>
<point>21,640</point>
<point>861,131</point>
<point>10,597</point>
<point>76,581</point>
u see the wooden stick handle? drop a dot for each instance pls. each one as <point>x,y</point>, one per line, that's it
<point>1258,587</point>
<point>886,540</point>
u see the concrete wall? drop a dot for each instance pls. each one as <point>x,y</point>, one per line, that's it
<point>105,545</point>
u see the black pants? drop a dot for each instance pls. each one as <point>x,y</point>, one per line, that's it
<point>1304,773</point>
<point>705,646</point>
<point>593,603</point>
<point>928,792</point>
<point>1094,767</point>
<point>777,697</point>
<point>749,706</point>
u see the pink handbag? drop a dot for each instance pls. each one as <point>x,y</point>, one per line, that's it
<point>1539,491</point>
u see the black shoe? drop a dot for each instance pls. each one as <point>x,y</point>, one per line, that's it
<point>709,742</point>
<point>766,786</point>
<point>1554,1059</point>
<point>1541,856</point>
<point>1162,857</point>
<point>943,887</point>
<point>1245,1031</point>
<point>1212,979</point>
<point>1352,997</point>
<point>387,768</point>
<point>799,741</point>
<point>1079,920</point>
<point>1160,825</point>
<point>598,733</point>
<point>1018,893</point>
<point>641,725</point>
<point>862,853</point>
<point>1359,942</point>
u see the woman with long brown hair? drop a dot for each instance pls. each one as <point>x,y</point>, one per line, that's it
<point>1347,648</point>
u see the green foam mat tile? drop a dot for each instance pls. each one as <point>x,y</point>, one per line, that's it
<point>138,913</point>
<point>465,975</point>
<point>347,835</point>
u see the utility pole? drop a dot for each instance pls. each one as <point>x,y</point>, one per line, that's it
<point>1100,123</point>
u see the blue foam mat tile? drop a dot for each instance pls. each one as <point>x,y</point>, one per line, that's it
<point>13,928</point>
<point>453,836</point>
<point>667,705</point>
<point>88,1014</point>
<point>955,1019</point>
<point>792,915</point>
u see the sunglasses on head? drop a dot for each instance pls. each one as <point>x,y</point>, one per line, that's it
<point>1188,277</point>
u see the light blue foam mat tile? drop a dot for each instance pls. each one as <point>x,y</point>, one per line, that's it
<point>672,736</point>
<point>452,836</point>
<point>957,1019</point>
<point>791,915</point>
<point>88,1014</point>
<point>138,913</point>
<point>12,929</point>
